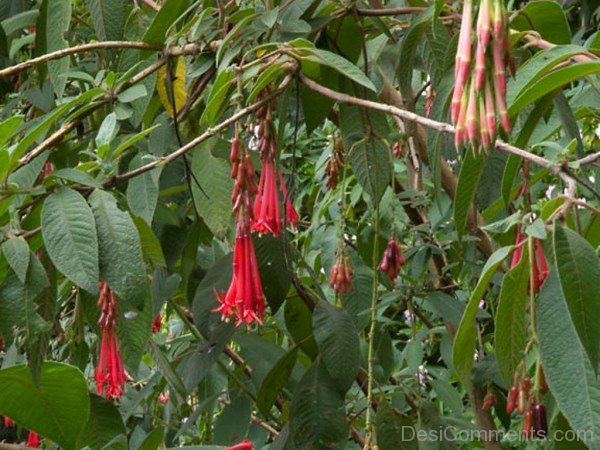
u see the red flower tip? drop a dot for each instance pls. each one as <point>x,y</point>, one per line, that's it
<point>8,422</point>
<point>244,445</point>
<point>540,265</point>
<point>157,323</point>
<point>163,397</point>
<point>33,439</point>
<point>244,300</point>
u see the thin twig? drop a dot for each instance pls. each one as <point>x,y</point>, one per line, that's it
<point>194,142</point>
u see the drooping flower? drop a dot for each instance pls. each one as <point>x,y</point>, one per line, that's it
<point>271,186</point>
<point>340,277</point>
<point>110,373</point>
<point>540,266</point>
<point>33,439</point>
<point>244,300</point>
<point>392,260</point>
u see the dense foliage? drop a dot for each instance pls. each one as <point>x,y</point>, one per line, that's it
<point>230,223</point>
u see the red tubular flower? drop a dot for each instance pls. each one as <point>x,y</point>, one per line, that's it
<point>244,299</point>
<point>109,374</point>
<point>267,206</point>
<point>157,323</point>
<point>8,422</point>
<point>244,445</point>
<point>33,440</point>
<point>540,265</point>
<point>392,260</point>
<point>340,277</point>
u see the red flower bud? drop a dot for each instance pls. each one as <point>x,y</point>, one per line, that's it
<point>511,399</point>
<point>540,423</point>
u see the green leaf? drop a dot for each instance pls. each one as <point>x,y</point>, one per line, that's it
<point>370,162</point>
<point>167,370</point>
<point>337,337</point>
<point>151,248</point>
<point>317,415</point>
<point>545,17</point>
<point>121,262</point>
<point>57,408</point>
<point>394,431</point>
<point>17,252</point>
<point>164,19</point>
<point>468,180</point>
<point>154,440</point>
<point>273,270</point>
<point>466,335</point>
<point>77,176</point>
<point>233,422</point>
<point>58,17</point>
<point>341,64</point>
<point>511,330</point>
<point>275,381</point>
<point>104,425</point>
<point>142,191</point>
<point>134,329</point>
<point>568,370</point>
<point>108,17</point>
<point>70,237</point>
<point>298,322</point>
<point>17,301</point>
<point>558,78</point>
<point>578,268</point>
<point>213,175</point>
<point>411,41</point>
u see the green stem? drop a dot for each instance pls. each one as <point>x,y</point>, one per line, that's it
<point>371,354</point>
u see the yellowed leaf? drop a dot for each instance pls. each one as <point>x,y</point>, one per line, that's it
<point>178,86</point>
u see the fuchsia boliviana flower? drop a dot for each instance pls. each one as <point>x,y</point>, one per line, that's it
<point>268,217</point>
<point>244,300</point>
<point>33,439</point>
<point>109,374</point>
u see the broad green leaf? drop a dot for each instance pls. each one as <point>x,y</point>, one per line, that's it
<point>317,415</point>
<point>232,424</point>
<point>468,180</point>
<point>132,140</point>
<point>121,262</point>
<point>341,64</point>
<point>108,17</point>
<point>269,75</point>
<point>166,368</point>
<point>298,322</point>
<point>77,176</point>
<point>58,18</point>
<point>578,268</point>
<point>134,329</point>
<point>412,38</point>
<point>554,80</point>
<point>275,381</point>
<point>17,302</point>
<point>8,128</point>
<point>103,426</point>
<point>273,271</point>
<point>169,12</point>
<point>151,248</point>
<point>154,440</point>
<point>394,431</point>
<point>370,162</point>
<point>17,252</point>
<point>70,237</point>
<point>142,191</point>
<point>511,331</point>
<point>568,370</point>
<point>217,99</point>
<point>57,408</point>
<point>171,88</point>
<point>213,202</point>
<point>466,335</point>
<point>545,17</point>
<point>338,342</point>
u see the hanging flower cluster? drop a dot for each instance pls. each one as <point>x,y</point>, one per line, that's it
<point>540,266</point>
<point>340,277</point>
<point>392,260</point>
<point>268,218</point>
<point>244,299</point>
<point>109,374</point>
<point>480,91</point>
<point>523,402</point>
